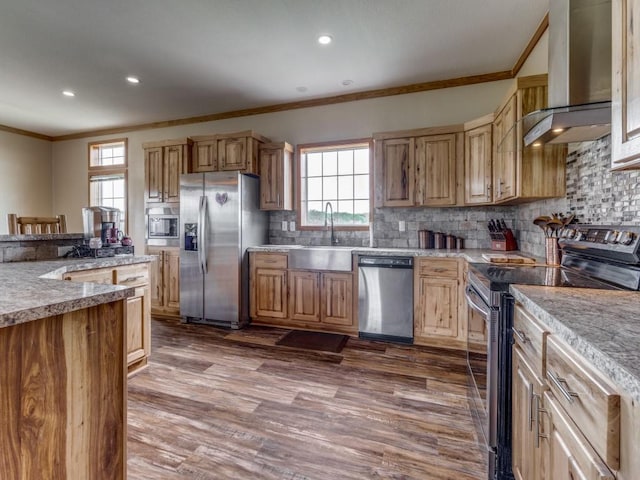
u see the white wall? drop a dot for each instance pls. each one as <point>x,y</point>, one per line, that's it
<point>538,60</point>
<point>25,177</point>
<point>331,122</point>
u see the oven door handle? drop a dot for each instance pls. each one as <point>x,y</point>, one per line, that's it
<point>480,306</point>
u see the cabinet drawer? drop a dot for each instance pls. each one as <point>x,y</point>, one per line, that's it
<point>132,275</point>
<point>438,267</point>
<point>588,398</point>
<point>269,260</point>
<point>530,335</point>
<point>98,275</point>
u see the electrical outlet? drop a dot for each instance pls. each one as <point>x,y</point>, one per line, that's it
<point>284,225</point>
<point>402,225</point>
<point>292,226</point>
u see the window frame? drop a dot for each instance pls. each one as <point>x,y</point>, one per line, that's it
<point>101,170</point>
<point>298,179</point>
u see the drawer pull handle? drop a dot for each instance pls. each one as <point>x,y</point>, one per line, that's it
<point>521,335</point>
<point>132,279</point>
<point>532,397</point>
<point>560,383</point>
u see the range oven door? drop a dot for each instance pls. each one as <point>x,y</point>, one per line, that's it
<point>482,361</point>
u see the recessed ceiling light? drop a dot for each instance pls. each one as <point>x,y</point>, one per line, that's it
<point>346,83</point>
<point>134,80</point>
<point>537,144</point>
<point>68,93</point>
<point>558,130</point>
<point>324,39</point>
<point>301,89</point>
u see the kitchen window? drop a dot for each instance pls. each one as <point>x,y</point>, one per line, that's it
<point>337,173</point>
<point>108,176</point>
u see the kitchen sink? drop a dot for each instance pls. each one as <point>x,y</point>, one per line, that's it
<point>321,258</point>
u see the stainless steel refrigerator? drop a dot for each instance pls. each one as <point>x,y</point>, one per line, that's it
<point>219,219</point>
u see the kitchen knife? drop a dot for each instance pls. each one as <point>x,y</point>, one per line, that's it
<point>503,226</point>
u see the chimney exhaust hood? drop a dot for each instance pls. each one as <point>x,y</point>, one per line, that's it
<point>579,75</point>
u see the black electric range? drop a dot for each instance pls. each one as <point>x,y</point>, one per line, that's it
<point>598,257</point>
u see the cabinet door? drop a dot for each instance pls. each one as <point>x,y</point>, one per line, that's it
<point>396,159</point>
<point>625,121</point>
<point>304,296</point>
<point>570,455</point>
<point>435,167</point>
<point>526,390</point>
<point>173,167</point>
<point>437,308</point>
<point>270,293</point>
<point>505,145</point>
<point>155,277</point>
<point>171,279</point>
<point>232,153</point>
<point>205,156</point>
<point>272,188</point>
<point>478,161</point>
<point>337,298</point>
<point>138,340</point>
<point>153,185</point>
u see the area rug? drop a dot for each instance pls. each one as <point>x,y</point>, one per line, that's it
<point>325,342</point>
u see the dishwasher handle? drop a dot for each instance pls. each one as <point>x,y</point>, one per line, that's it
<point>385,262</point>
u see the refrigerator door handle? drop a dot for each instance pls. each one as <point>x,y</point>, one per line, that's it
<point>202,234</point>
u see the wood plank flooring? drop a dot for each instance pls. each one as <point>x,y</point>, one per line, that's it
<point>218,404</point>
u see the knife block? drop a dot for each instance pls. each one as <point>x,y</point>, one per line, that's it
<point>503,241</point>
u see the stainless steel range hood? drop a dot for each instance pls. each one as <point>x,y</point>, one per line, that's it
<point>579,75</point>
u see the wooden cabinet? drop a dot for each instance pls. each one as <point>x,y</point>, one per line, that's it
<point>525,173</point>
<point>625,105</point>
<point>418,167</point>
<point>478,161</point>
<point>164,162</point>
<point>226,152</point>
<point>276,176</point>
<point>138,306</point>
<point>268,285</point>
<point>165,286</point>
<point>437,302</point>
<point>306,299</point>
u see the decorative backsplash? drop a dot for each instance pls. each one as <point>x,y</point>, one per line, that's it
<point>594,194</point>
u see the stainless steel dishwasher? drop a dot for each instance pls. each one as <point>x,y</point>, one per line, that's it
<point>385,298</point>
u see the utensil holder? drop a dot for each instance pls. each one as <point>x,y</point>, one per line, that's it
<point>552,250</point>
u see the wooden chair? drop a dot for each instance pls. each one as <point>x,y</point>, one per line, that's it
<point>36,225</point>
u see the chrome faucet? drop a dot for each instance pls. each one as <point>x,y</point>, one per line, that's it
<point>334,240</point>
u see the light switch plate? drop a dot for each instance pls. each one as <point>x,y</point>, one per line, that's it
<point>284,225</point>
<point>292,226</point>
<point>402,226</point>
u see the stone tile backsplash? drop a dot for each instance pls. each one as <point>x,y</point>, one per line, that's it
<point>594,194</point>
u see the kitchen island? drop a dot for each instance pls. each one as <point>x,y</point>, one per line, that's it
<point>64,376</point>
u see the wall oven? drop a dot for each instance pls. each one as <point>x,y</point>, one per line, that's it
<point>162,226</point>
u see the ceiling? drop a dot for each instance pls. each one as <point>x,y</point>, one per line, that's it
<point>200,57</point>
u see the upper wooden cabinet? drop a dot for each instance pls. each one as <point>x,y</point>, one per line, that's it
<point>276,176</point>
<point>478,161</point>
<point>625,106</point>
<point>525,173</point>
<point>225,152</point>
<point>164,162</point>
<point>418,167</point>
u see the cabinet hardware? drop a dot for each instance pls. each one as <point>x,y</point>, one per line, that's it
<point>132,279</point>
<point>560,383</point>
<point>538,411</point>
<point>531,400</point>
<point>521,336</point>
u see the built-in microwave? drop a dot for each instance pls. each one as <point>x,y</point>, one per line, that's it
<point>161,226</point>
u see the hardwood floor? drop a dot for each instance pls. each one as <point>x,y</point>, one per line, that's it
<point>217,404</point>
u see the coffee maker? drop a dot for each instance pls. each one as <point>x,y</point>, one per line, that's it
<point>102,222</point>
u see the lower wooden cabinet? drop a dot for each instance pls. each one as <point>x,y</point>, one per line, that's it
<point>438,303</point>
<point>305,299</point>
<point>138,306</point>
<point>165,286</point>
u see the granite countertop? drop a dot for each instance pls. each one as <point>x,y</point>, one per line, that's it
<point>602,325</point>
<point>40,237</point>
<point>33,290</point>
<point>473,255</point>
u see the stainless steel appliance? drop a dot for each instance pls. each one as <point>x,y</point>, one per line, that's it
<point>103,223</point>
<point>599,257</point>
<point>162,226</point>
<point>219,220</point>
<point>385,298</point>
